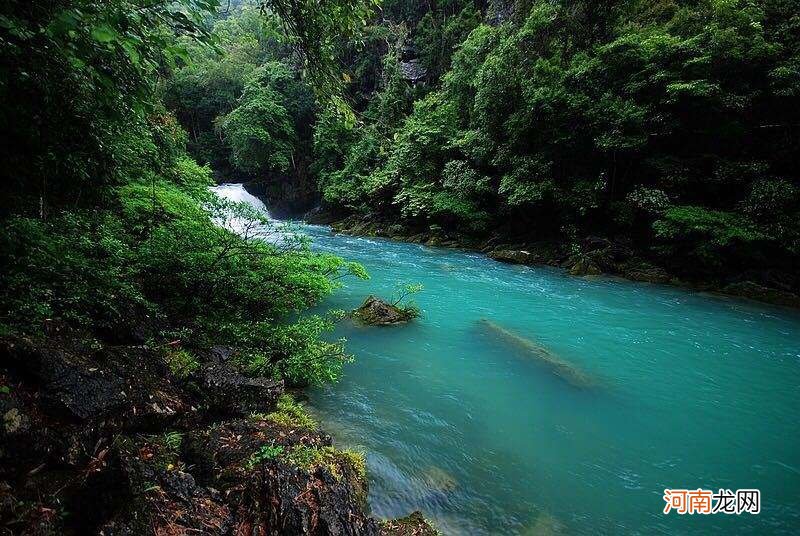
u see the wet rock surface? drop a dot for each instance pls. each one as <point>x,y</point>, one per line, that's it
<point>414,524</point>
<point>514,256</point>
<point>755,291</point>
<point>377,312</point>
<point>105,440</point>
<point>231,392</point>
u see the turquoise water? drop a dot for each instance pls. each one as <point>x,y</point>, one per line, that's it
<point>687,390</point>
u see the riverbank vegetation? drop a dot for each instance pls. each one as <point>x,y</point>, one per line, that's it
<point>667,128</point>
<point>109,224</point>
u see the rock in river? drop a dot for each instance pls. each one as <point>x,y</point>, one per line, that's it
<point>376,312</point>
<point>513,256</point>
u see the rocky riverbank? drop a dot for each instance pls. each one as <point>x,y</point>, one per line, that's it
<point>106,439</point>
<point>593,256</point>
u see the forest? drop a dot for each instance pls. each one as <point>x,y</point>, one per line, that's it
<point>654,139</point>
<point>667,128</point>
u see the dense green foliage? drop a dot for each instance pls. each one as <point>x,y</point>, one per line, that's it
<point>110,227</point>
<point>670,124</point>
<point>673,124</point>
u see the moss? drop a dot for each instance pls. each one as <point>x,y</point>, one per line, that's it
<point>332,459</point>
<point>181,363</point>
<point>289,413</point>
<point>414,524</point>
<point>356,460</point>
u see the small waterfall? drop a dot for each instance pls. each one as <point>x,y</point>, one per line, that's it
<point>274,231</point>
<point>237,193</point>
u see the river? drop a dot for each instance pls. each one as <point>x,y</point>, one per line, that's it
<point>463,421</point>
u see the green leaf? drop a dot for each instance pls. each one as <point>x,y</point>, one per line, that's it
<point>104,33</point>
<point>179,52</point>
<point>77,62</point>
<point>131,51</point>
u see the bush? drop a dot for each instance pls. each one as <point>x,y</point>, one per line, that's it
<point>295,352</point>
<point>581,118</point>
<point>112,269</point>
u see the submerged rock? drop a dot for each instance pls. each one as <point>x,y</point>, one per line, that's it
<point>438,479</point>
<point>545,525</point>
<point>376,312</point>
<point>540,354</point>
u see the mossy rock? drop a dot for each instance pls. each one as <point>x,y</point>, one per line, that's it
<point>376,312</point>
<point>413,524</point>
<point>585,266</point>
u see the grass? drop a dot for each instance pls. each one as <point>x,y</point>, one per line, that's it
<point>308,458</point>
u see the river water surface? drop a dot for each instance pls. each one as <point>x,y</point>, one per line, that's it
<point>461,420</point>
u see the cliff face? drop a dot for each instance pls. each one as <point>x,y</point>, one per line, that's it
<point>101,439</point>
<point>289,194</point>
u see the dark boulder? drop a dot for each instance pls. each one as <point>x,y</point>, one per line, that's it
<point>304,487</point>
<point>598,255</point>
<point>232,393</point>
<point>583,265</point>
<point>141,455</point>
<point>396,231</point>
<point>71,384</point>
<point>648,274</point>
<point>164,498</point>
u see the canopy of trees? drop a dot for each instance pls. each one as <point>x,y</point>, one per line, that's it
<point>672,124</point>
